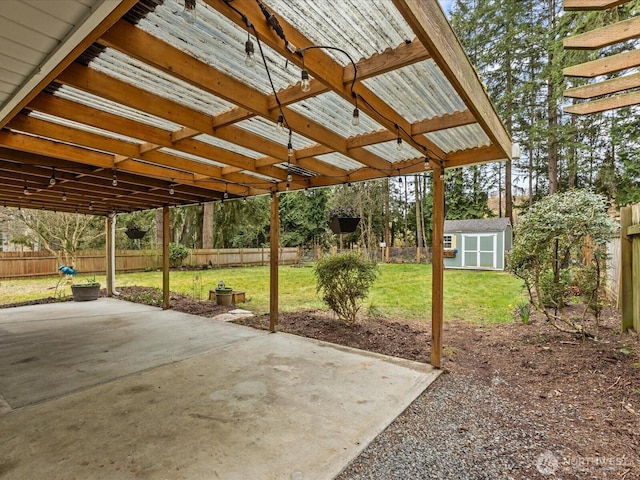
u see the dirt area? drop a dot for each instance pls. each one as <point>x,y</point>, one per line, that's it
<point>582,395</point>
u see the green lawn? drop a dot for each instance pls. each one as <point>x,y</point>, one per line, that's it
<point>401,291</point>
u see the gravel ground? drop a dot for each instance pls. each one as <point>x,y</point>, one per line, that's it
<point>461,428</point>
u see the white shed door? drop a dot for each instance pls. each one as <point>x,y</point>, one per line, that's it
<point>480,250</point>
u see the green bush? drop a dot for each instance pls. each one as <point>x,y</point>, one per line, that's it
<point>555,294</point>
<point>344,281</point>
<point>177,253</point>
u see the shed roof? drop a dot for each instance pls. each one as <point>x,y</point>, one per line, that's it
<point>479,225</point>
<point>130,106</point>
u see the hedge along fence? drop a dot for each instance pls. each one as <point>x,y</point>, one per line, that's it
<point>37,264</point>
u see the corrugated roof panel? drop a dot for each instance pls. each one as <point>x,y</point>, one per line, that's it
<point>460,138</point>
<point>115,64</point>
<point>83,98</point>
<point>339,160</point>
<point>417,91</point>
<point>267,129</point>
<point>83,127</point>
<point>336,114</point>
<point>390,152</point>
<point>189,156</point>
<point>216,41</point>
<point>361,28</point>
<point>228,146</point>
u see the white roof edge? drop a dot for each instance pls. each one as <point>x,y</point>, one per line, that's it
<point>99,12</point>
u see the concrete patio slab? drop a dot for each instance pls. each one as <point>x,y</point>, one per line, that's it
<point>257,406</point>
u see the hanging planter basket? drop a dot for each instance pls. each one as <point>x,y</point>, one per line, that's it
<point>340,225</point>
<point>134,233</point>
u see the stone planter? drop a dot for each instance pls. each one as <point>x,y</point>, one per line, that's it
<point>340,225</point>
<point>85,293</point>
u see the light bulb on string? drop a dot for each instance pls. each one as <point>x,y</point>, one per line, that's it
<point>280,123</point>
<point>355,121</point>
<point>171,190</point>
<point>190,11</point>
<point>305,85</point>
<point>289,177</point>
<point>91,205</point>
<point>399,144</point>
<point>114,182</point>
<point>52,180</point>
<point>64,196</point>
<point>250,58</point>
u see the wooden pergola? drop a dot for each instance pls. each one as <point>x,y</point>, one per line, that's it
<point>604,94</point>
<point>123,105</point>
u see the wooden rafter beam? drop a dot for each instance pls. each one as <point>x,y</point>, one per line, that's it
<point>323,68</point>
<point>604,66</point>
<point>605,36</point>
<point>432,28</point>
<point>604,104</point>
<point>146,48</point>
<point>45,147</point>
<point>572,5</point>
<point>69,110</point>
<point>607,87</point>
<point>151,158</point>
<point>474,156</point>
<point>435,124</point>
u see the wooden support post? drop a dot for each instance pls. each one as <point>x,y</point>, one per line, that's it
<point>165,257</point>
<point>625,288</point>
<point>273,264</point>
<point>110,252</point>
<point>437,285</point>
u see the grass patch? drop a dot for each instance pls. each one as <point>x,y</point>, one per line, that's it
<point>401,290</point>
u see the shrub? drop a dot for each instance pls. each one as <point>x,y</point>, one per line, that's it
<point>547,254</point>
<point>177,253</point>
<point>344,281</point>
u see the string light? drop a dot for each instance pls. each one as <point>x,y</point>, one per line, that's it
<point>190,11</point>
<point>26,190</point>
<point>226,192</point>
<point>250,58</point>
<point>171,190</point>
<point>64,196</point>
<point>90,204</point>
<point>290,146</point>
<point>355,121</point>
<point>289,177</point>
<point>280,123</point>
<point>52,180</point>
<point>399,144</point>
<point>305,85</point>
<point>114,182</point>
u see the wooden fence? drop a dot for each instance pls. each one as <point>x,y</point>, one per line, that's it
<point>629,286</point>
<point>613,266</point>
<point>35,264</point>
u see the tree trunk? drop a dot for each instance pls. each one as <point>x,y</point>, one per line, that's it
<point>552,110</point>
<point>159,226</point>
<point>416,181</point>
<point>207,225</point>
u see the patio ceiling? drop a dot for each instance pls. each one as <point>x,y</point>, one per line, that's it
<point>134,106</point>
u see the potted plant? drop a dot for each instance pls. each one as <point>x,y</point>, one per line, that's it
<point>134,232</point>
<point>88,290</point>
<point>224,294</point>
<point>343,220</point>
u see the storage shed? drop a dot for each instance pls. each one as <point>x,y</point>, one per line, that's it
<point>478,244</point>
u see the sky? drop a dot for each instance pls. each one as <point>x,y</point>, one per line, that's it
<point>446,5</point>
